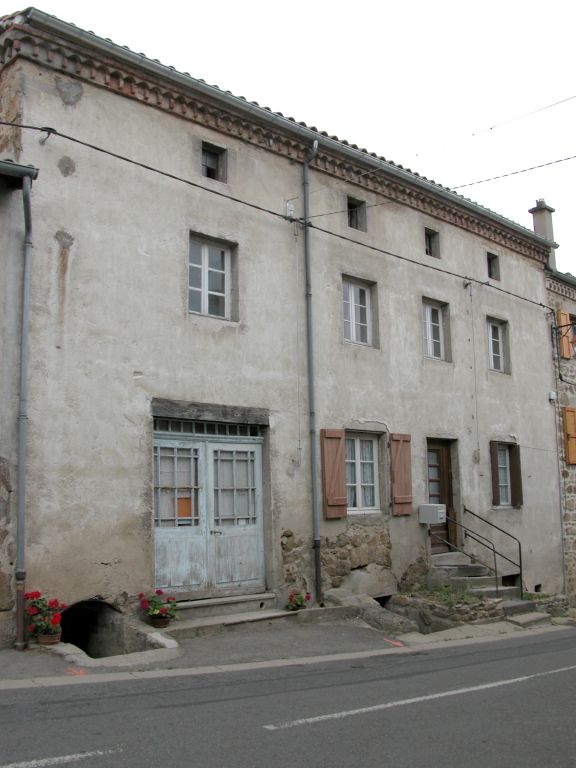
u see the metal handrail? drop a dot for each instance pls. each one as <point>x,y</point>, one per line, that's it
<point>506,533</point>
<point>480,539</point>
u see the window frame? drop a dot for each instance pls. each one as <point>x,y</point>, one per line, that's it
<point>428,341</point>
<point>356,213</point>
<point>357,462</point>
<point>493,265</point>
<point>513,474</point>
<point>205,270</point>
<point>503,341</point>
<point>431,242</point>
<point>352,336</point>
<point>219,155</point>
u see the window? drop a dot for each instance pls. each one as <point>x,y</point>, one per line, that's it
<point>362,473</point>
<point>435,329</point>
<point>195,475</point>
<point>209,278</point>
<point>432,243</point>
<point>357,306</point>
<point>498,346</point>
<point>506,474</point>
<point>493,265</point>
<point>566,330</point>
<point>213,162</point>
<point>356,214</point>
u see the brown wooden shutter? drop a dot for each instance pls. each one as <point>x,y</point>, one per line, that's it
<point>515,476</point>
<point>569,418</point>
<point>564,334</point>
<point>332,443</point>
<point>401,462</point>
<point>494,471</point>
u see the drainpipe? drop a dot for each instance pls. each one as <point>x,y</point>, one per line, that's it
<point>311,391</point>
<point>21,176</point>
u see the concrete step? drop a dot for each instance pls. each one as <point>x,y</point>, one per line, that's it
<point>530,619</point>
<point>214,624</point>
<point>221,606</point>
<point>474,582</point>
<point>449,559</point>
<point>514,607</point>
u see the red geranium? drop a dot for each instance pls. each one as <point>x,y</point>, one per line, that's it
<point>45,614</point>
<point>158,604</point>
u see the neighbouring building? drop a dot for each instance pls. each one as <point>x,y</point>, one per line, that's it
<point>562,298</point>
<point>254,349</point>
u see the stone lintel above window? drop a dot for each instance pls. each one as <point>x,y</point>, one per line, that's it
<point>231,414</point>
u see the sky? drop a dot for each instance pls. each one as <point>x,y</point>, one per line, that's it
<point>458,91</point>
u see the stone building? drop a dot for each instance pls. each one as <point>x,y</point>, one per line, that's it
<point>254,349</point>
<point>562,297</point>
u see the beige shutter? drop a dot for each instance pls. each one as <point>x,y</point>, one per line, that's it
<point>569,417</point>
<point>401,470</point>
<point>332,443</point>
<point>564,334</point>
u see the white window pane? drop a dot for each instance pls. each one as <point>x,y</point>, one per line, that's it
<point>351,494</point>
<point>194,301</point>
<point>216,258</point>
<point>366,450</point>
<point>195,276</point>
<point>216,305</point>
<point>216,281</point>
<point>350,473</point>
<point>347,330</point>
<point>368,496</point>
<point>195,253</point>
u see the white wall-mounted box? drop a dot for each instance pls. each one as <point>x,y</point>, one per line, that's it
<point>432,514</point>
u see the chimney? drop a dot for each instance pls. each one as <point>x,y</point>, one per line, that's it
<point>542,218</point>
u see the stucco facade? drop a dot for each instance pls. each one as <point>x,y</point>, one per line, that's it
<point>118,345</point>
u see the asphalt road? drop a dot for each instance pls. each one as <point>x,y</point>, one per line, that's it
<point>494,704</point>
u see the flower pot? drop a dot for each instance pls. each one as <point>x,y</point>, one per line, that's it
<point>159,621</point>
<point>48,639</point>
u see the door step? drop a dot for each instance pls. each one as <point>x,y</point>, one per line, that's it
<point>222,606</point>
<point>209,625</point>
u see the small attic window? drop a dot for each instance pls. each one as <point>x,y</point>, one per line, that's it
<point>493,265</point>
<point>356,214</point>
<point>213,162</point>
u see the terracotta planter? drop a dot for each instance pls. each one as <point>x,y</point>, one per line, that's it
<point>159,621</point>
<point>48,639</point>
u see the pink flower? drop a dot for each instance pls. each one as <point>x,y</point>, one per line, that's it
<point>307,596</point>
<point>163,611</point>
<point>56,619</point>
<point>141,595</point>
<point>53,603</point>
<point>159,591</point>
<point>32,611</point>
<point>144,604</point>
<point>170,599</point>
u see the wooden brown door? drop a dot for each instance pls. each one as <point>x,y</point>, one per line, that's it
<point>440,492</point>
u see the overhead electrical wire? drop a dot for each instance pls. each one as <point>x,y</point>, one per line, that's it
<point>255,206</point>
<point>499,125</point>
<point>514,173</point>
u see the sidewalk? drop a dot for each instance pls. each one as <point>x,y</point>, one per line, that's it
<point>247,647</point>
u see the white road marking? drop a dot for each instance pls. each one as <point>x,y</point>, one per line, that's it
<point>62,759</point>
<point>415,700</point>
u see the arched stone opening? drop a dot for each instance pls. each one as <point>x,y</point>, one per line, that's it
<point>95,627</point>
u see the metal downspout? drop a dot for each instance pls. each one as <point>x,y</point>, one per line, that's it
<point>21,642</point>
<point>311,390</point>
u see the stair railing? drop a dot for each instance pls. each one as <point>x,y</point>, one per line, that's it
<point>506,533</point>
<point>487,544</point>
<point>483,541</point>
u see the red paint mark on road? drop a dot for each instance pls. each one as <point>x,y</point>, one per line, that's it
<point>75,671</point>
<point>395,643</point>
